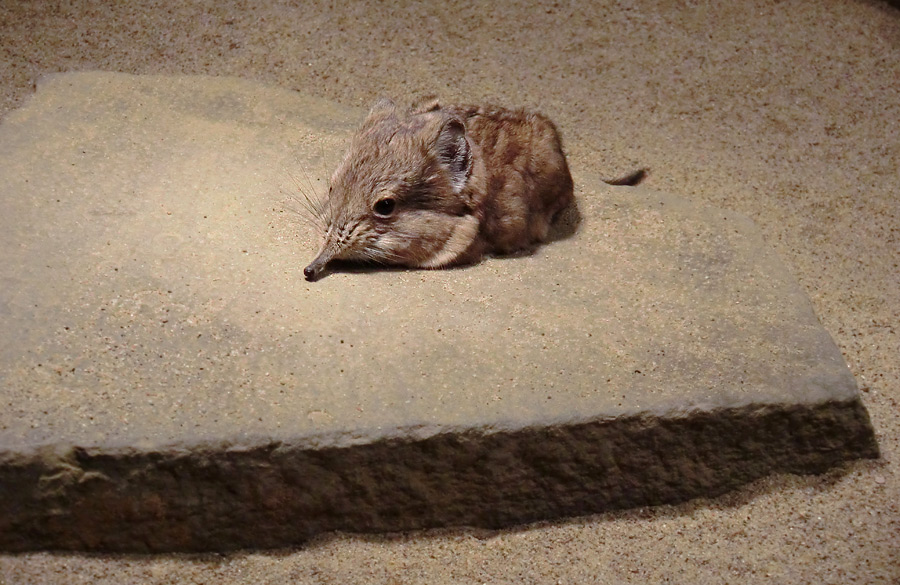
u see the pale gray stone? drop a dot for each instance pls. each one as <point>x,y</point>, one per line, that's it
<point>171,382</point>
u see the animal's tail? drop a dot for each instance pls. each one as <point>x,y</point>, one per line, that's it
<point>629,180</point>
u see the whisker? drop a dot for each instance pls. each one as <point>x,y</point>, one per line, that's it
<point>317,202</point>
<point>310,207</point>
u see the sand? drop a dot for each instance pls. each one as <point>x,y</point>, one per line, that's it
<point>787,113</point>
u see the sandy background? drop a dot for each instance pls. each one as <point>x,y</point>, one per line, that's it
<point>788,112</point>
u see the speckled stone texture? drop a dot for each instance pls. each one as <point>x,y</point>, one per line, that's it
<point>171,382</point>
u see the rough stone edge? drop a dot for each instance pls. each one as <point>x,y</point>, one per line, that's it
<point>275,495</point>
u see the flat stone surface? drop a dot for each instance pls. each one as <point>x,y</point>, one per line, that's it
<point>164,360</point>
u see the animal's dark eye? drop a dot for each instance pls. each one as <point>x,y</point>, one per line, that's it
<point>384,207</point>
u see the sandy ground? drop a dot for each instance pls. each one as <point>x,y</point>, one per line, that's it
<point>788,112</point>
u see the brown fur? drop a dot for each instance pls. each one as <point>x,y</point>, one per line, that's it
<point>436,186</point>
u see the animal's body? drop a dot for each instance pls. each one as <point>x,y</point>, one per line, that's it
<point>434,186</point>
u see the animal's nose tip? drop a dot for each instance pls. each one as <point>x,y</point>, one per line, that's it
<point>317,266</point>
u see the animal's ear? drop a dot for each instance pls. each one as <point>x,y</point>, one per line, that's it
<point>382,108</point>
<point>453,152</point>
<point>425,104</point>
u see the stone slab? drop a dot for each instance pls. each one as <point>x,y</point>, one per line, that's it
<point>170,382</point>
